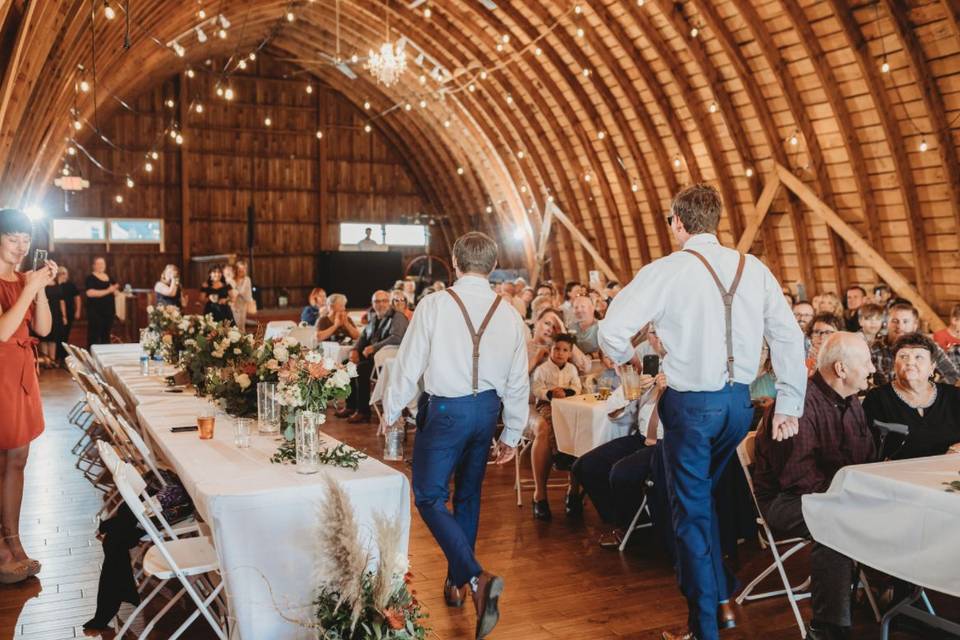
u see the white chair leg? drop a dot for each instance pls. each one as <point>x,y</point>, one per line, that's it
<point>870,598</point>
<point>633,523</point>
<point>786,584</point>
<point>153,621</point>
<point>140,607</point>
<point>202,608</point>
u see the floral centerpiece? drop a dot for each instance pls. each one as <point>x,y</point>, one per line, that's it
<point>214,345</point>
<point>235,386</point>
<point>355,602</point>
<point>165,331</point>
<point>309,383</point>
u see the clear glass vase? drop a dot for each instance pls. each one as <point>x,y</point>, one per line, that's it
<point>268,408</point>
<point>308,441</point>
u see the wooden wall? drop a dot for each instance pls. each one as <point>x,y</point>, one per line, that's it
<point>300,186</point>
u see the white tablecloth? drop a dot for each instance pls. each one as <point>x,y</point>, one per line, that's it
<point>263,516</point>
<point>580,424</point>
<point>380,386</point>
<point>895,517</point>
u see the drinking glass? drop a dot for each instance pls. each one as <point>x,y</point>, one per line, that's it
<point>308,442</point>
<point>268,408</point>
<point>393,441</point>
<point>241,432</point>
<point>205,423</point>
<point>604,386</point>
<point>630,377</point>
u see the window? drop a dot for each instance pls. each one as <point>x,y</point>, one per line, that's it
<point>79,230</point>
<point>406,235</point>
<point>394,235</point>
<point>136,230</point>
<point>354,232</point>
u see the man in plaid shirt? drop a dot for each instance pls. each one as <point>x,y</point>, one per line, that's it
<point>904,319</point>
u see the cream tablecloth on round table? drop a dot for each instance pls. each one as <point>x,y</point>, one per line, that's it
<point>894,517</point>
<point>580,424</point>
<point>263,516</point>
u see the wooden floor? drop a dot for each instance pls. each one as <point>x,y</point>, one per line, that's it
<point>559,583</point>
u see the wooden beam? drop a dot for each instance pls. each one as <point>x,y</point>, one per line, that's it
<point>900,285</point>
<point>322,146</point>
<point>770,190</point>
<point>184,158</point>
<point>582,239</point>
<point>10,80</point>
<point>542,246</point>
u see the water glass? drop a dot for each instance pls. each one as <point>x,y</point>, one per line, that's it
<point>205,424</point>
<point>308,441</point>
<point>393,441</point>
<point>630,377</point>
<point>242,428</point>
<point>268,408</point>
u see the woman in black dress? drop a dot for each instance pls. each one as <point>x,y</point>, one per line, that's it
<point>217,296</point>
<point>931,411</point>
<point>68,310</point>
<point>101,307</point>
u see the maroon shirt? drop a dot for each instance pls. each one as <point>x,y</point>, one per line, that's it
<point>833,434</point>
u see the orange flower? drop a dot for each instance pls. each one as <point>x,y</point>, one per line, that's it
<point>317,371</point>
<point>394,618</point>
<point>408,577</point>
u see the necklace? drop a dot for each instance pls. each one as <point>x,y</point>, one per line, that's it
<point>927,405</point>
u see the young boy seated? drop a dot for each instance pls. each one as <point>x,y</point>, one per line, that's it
<point>555,378</point>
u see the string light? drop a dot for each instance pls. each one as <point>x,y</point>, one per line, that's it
<point>108,12</point>
<point>586,72</point>
<point>749,172</point>
<point>179,138</point>
<point>489,209</point>
<point>885,66</point>
<point>923,146</point>
<point>319,135</point>
<point>367,128</point>
<point>580,32</point>
<point>354,58</point>
<point>222,34</point>
<point>677,162</point>
<point>202,14</point>
<point>713,107</point>
<point>483,74</point>
<point>509,98</point>
<point>446,124</point>
<point>191,73</point>
<point>694,32</point>
<point>84,86</point>
<point>309,88</point>
<point>173,133</point>
<point>290,16</point>
<point>366,104</point>
<point>154,155</point>
<point>198,108</point>
<point>538,51</point>
<point>178,49</point>
<point>471,87</point>
<point>794,140</point>
<point>228,93</point>
<point>242,65</point>
<point>148,167</point>
<point>130,183</point>
<point>220,91</point>
<point>520,154</point>
<point>423,104</point>
<point>587,177</point>
<point>71,151</point>
<point>601,135</point>
<point>460,171</point>
<point>201,35</point>
<point>407,107</point>
<point>578,9</point>
<point>267,121</point>
<point>427,13</point>
<point>422,79</point>
<point>252,56</point>
<point>505,38</point>
<point>639,3</point>
<point>77,125</point>
<point>634,187</point>
<point>118,198</point>
<point>170,103</point>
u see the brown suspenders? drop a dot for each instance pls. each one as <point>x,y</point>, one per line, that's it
<point>474,334</point>
<point>727,304</point>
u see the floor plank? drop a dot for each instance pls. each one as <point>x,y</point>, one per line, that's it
<point>559,584</point>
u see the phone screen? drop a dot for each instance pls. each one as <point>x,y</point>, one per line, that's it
<point>39,258</point>
<point>651,365</point>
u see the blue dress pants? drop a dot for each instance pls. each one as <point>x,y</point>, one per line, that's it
<point>701,431</point>
<point>453,440</point>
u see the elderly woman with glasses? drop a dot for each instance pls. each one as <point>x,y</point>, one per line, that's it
<point>819,329</point>
<point>336,324</point>
<point>399,303</point>
<point>929,410</point>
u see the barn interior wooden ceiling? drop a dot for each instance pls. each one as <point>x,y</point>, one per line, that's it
<point>602,107</point>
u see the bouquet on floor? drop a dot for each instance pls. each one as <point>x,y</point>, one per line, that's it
<point>211,345</point>
<point>355,602</point>
<point>164,335</point>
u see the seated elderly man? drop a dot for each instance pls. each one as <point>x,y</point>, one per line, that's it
<point>833,433</point>
<point>336,325</point>
<point>902,318</point>
<point>385,328</point>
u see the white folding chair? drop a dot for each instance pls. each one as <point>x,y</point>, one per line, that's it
<point>278,328</point>
<point>642,512</point>
<point>188,560</point>
<point>523,446</point>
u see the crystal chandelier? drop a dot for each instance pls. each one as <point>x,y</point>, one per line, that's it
<point>387,65</point>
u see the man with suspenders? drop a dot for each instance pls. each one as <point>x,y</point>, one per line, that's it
<point>471,351</point>
<point>712,307</point>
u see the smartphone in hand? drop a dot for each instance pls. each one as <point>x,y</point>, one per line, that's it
<point>651,365</point>
<point>39,258</point>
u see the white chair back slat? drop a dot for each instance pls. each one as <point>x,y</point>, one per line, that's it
<point>143,449</point>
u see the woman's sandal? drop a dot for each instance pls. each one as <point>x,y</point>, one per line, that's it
<point>15,571</point>
<point>32,566</point>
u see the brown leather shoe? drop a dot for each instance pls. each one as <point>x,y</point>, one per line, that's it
<point>358,417</point>
<point>452,594</point>
<point>725,616</point>
<point>343,413</point>
<point>666,635</point>
<point>486,599</point>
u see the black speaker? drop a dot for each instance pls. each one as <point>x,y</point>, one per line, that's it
<point>251,234</point>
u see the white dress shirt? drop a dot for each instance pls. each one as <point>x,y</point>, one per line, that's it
<point>680,297</point>
<point>438,346</point>
<point>548,376</point>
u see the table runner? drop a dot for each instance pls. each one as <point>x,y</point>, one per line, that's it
<point>262,515</point>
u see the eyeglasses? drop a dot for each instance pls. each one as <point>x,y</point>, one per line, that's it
<point>376,300</point>
<point>825,332</point>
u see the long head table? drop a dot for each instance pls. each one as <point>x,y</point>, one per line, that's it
<point>895,517</point>
<point>263,516</point>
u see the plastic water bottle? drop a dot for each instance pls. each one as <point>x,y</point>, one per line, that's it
<point>393,441</point>
<point>144,364</point>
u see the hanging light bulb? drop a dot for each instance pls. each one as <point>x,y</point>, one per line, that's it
<point>118,198</point>
<point>794,140</point>
<point>471,87</point>
<point>639,3</point>
<point>885,66</point>
<point>154,155</point>
<point>538,51</point>
<point>407,107</point>
<point>252,56</point>
<point>77,125</point>
<point>309,88</point>
<point>422,79</point>
<point>130,183</point>
<point>505,38</point>
<point>460,171</point>
<point>521,154</point>
<point>587,177</point>
<point>148,167</point>
<point>173,133</point>
<point>242,65</point>
<point>446,124</point>
<point>170,103</point>
<point>523,188</point>
<point>489,209</point>
<point>191,73</point>
<point>354,59</point>
<point>267,121</point>
<point>178,49</point>
<point>580,32</point>
<point>65,171</point>
<point>499,47</point>
<point>367,128</point>
<point>179,138</point>
<point>223,21</point>
<point>290,16</point>
<point>427,13</point>
<point>509,98</point>
<point>228,93</point>
<point>319,135</point>
<point>222,34</point>
<point>84,86</point>
<point>634,187</point>
<point>366,105</point>
<point>220,91</point>
<point>483,74</point>
<point>601,135</point>
<point>923,146</point>
<point>677,162</point>
<point>713,107</point>
<point>749,172</point>
<point>198,108</point>
<point>71,151</point>
<point>108,12</point>
<point>578,9</point>
<point>423,104</point>
<point>694,32</point>
<point>202,14</point>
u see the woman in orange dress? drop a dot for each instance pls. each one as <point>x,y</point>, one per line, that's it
<point>23,306</point>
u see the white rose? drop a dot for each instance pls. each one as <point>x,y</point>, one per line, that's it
<point>290,342</point>
<point>243,380</point>
<point>234,335</point>
<point>351,369</point>
<point>237,351</point>
<point>280,353</point>
<point>340,378</point>
<point>313,357</point>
